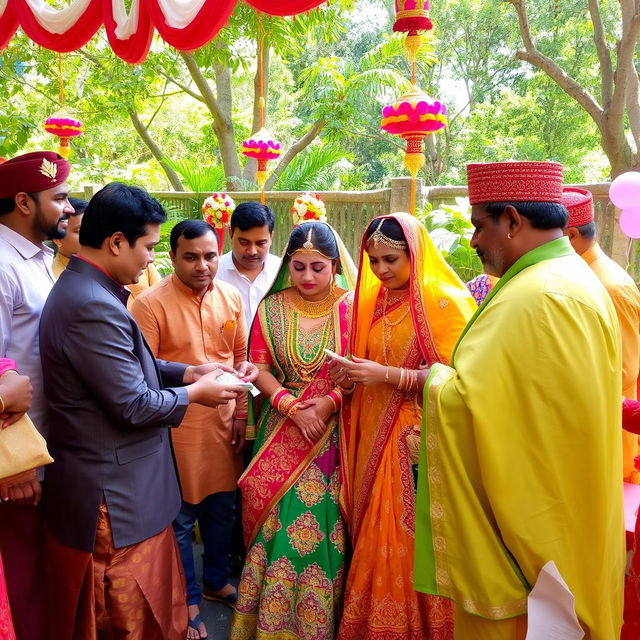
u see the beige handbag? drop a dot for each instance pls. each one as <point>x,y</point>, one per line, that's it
<point>21,448</point>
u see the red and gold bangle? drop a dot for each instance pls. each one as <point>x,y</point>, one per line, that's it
<point>290,406</point>
<point>275,396</point>
<point>335,395</point>
<point>287,404</point>
<point>242,415</point>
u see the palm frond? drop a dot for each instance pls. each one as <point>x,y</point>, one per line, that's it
<point>198,177</point>
<point>374,84</point>
<point>315,169</point>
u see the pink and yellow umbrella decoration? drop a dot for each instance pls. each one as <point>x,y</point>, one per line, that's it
<point>413,117</point>
<point>412,17</point>
<point>261,146</point>
<point>61,123</point>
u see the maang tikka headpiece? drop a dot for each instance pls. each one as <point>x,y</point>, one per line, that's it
<point>308,247</point>
<point>378,238</point>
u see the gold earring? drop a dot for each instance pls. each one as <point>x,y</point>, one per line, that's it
<point>509,236</point>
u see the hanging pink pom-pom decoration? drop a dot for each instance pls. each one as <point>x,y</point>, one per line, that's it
<point>61,124</point>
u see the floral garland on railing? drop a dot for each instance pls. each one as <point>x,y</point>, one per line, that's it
<point>308,206</point>
<point>217,210</point>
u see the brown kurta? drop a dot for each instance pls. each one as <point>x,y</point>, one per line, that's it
<point>180,327</point>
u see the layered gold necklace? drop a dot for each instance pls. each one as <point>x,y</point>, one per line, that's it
<point>305,348</point>
<point>388,325</point>
<point>314,308</point>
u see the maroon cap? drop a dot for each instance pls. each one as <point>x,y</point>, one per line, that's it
<point>32,172</point>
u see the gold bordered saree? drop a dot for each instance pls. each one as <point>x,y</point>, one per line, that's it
<point>380,429</point>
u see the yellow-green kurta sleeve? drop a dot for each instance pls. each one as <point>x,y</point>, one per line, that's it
<point>521,455</point>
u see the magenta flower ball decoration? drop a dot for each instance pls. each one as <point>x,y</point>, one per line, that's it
<point>65,127</point>
<point>413,117</point>
<point>262,146</point>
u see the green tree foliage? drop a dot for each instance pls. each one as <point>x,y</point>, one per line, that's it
<point>177,120</point>
<point>450,229</point>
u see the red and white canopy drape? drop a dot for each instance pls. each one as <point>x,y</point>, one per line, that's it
<point>184,24</point>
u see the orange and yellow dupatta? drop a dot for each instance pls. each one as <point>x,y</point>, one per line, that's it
<point>440,308</point>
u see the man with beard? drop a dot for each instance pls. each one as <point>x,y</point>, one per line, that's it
<point>521,455</point>
<point>34,207</point>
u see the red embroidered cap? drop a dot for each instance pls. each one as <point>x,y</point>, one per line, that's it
<point>31,172</point>
<point>514,182</point>
<point>579,203</point>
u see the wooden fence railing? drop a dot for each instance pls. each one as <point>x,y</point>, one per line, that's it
<point>350,211</point>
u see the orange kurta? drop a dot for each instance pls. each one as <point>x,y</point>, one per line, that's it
<point>59,264</point>
<point>149,277</point>
<point>626,300</point>
<point>180,327</point>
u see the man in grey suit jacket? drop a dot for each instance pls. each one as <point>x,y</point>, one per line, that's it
<point>112,491</point>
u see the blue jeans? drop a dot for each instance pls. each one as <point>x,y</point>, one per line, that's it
<point>215,515</point>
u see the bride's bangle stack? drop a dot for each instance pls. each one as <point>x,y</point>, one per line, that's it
<point>284,402</point>
<point>336,398</point>
<point>408,380</point>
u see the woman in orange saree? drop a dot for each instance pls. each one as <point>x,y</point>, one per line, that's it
<point>409,310</point>
<point>291,584</point>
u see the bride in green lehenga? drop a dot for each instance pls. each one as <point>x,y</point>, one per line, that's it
<point>291,584</point>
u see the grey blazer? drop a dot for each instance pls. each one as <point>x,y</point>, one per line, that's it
<point>109,412</point>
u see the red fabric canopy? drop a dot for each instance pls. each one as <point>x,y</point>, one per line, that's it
<point>37,19</point>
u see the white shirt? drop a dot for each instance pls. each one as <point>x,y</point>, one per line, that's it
<point>251,292</point>
<point>25,282</point>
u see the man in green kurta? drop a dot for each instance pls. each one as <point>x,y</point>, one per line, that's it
<point>521,452</point>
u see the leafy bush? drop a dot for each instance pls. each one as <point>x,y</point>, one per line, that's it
<point>450,229</point>
<point>174,215</point>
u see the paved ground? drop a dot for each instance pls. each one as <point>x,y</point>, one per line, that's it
<point>217,616</point>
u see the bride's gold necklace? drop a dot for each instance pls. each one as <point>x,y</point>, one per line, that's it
<point>388,325</point>
<point>314,308</point>
<point>305,348</point>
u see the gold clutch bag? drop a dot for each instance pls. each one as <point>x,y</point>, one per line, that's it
<point>21,448</point>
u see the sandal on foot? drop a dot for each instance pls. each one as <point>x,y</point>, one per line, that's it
<point>195,622</point>
<point>230,599</point>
